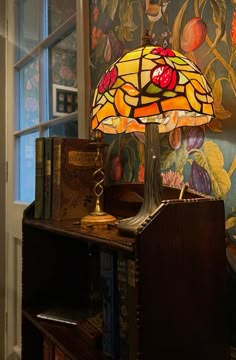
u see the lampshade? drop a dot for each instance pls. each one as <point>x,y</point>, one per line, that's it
<point>151,89</point>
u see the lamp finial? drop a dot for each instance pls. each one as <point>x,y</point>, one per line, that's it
<point>146,38</point>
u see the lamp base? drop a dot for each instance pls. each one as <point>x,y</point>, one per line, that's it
<point>97,220</point>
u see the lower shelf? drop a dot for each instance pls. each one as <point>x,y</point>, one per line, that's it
<point>67,337</point>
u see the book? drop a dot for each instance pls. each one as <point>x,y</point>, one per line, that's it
<point>47,349</point>
<point>73,167</point>
<point>48,177</point>
<point>122,283</point>
<point>39,178</point>
<point>110,303</point>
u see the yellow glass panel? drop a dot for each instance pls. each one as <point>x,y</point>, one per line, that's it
<point>112,92</point>
<point>145,78</point>
<point>109,97</point>
<point>177,103</point>
<point>147,64</point>
<point>106,111</point>
<point>95,96</point>
<point>132,55</point>
<point>195,76</point>
<point>190,92</point>
<point>130,67</point>
<point>122,107</point>
<point>96,109</point>
<point>131,78</point>
<point>149,110</point>
<point>133,101</point>
<point>147,99</point>
<point>182,79</point>
<point>179,88</point>
<point>208,109</point>
<point>202,98</point>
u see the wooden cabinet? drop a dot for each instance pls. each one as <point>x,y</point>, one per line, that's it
<point>179,298</point>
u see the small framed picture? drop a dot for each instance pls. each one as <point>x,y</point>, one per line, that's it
<point>64,100</point>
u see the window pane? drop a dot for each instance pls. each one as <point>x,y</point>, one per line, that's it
<point>63,84</point>
<point>29,95</point>
<point>59,11</point>
<point>28,26</point>
<point>69,129</point>
<point>27,167</point>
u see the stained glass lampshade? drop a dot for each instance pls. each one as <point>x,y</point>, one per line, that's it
<point>150,89</point>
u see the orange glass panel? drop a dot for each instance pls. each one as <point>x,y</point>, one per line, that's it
<point>122,108</point>
<point>177,103</point>
<point>198,87</point>
<point>106,111</point>
<point>130,89</point>
<point>149,110</point>
<point>208,109</point>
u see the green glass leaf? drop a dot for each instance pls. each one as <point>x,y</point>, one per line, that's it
<point>169,94</point>
<point>153,89</point>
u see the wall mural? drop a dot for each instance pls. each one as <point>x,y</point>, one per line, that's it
<point>205,31</point>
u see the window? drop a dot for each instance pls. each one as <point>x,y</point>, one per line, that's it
<point>46,82</point>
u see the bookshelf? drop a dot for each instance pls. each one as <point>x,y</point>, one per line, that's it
<point>178,303</point>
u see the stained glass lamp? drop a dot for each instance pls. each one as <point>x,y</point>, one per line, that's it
<point>150,89</point>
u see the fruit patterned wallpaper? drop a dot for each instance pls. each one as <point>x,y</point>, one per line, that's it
<point>205,31</point>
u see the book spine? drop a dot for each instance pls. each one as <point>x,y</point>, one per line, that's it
<point>48,177</point>
<point>39,178</point>
<point>122,282</point>
<point>47,349</point>
<point>110,303</point>
<point>56,181</point>
<point>131,309</point>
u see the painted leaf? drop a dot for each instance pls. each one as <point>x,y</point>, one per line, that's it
<point>104,4</point>
<point>167,159</point>
<point>181,158</point>
<point>112,7</point>
<point>176,30</point>
<point>215,125</point>
<point>219,14</point>
<point>231,222</point>
<point>211,158</point>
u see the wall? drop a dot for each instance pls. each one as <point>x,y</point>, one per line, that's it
<point>2,177</point>
<point>205,31</point>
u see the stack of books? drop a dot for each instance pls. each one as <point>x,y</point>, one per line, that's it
<point>64,178</point>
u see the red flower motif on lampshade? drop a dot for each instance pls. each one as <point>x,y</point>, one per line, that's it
<point>163,52</point>
<point>164,77</point>
<point>107,80</point>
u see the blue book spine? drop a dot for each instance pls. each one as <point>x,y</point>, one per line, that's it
<point>110,303</point>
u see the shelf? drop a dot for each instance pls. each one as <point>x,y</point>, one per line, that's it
<point>66,337</point>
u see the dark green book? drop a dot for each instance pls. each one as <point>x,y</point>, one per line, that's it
<point>39,178</point>
<point>48,158</point>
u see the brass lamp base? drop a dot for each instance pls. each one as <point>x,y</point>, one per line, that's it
<point>97,220</point>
